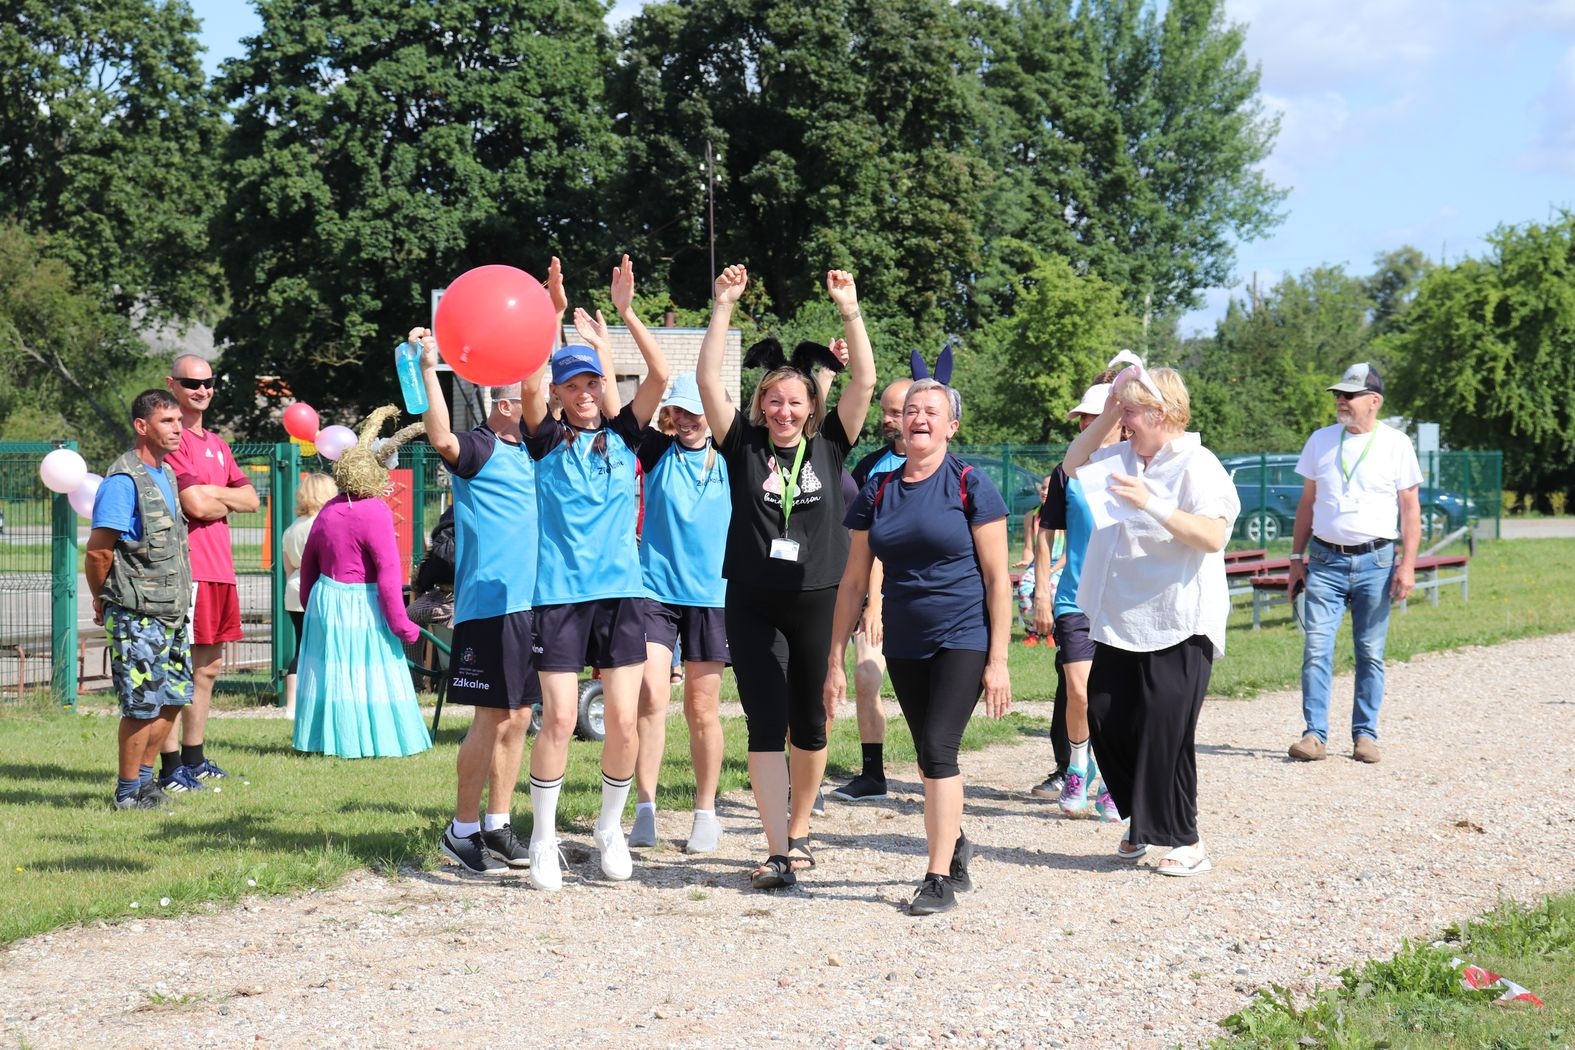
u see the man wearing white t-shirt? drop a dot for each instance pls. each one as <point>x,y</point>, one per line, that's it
<point>1360,495</point>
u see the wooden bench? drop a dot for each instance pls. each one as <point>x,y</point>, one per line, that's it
<point>1433,571</point>
<point>1231,557</point>
<point>1239,574</point>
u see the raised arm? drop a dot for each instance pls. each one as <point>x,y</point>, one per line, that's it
<point>730,285</point>
<point>594,332</point>
<point>649,395</point>
<point>1092,439</point>
<point>560,299</point>
<point>854,404</point>
<point>440,429</point>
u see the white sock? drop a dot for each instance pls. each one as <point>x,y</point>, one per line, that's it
<point>615,794</point>
<point>544,807</point>
<point>465,830</point>
<point>705,814</point>
<point>1080,756</point>
<point>644,807</point>
<point>494,821</point>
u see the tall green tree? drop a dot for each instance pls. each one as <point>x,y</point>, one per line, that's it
<point>67,365</point>
<point>1127,136</point>
<point>382,147</point>
<point>108,142</point>
<point>843,130</point>
<point>1488,350</point>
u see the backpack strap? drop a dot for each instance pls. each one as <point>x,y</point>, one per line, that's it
<point>880,490</point>
<point>963,481</point>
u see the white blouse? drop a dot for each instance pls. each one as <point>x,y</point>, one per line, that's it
<point>1144,590</point>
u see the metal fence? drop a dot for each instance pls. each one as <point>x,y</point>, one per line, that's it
<point>39,618</point>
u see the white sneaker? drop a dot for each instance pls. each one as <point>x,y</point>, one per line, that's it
<point>644,831</point>
<point>545,874</point>
<point>705,835</point>
<point>616,863</point>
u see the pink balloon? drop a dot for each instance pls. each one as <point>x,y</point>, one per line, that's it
<point>83,496</point>
<point>300,420</point>
<point>494,325</point>
<point>62,470</point>
<point>333,441</point>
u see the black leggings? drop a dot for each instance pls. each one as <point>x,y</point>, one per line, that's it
<point>779,641</point>
<point>1142,716</point>
<point>299,620</point>
<point>937,695</point>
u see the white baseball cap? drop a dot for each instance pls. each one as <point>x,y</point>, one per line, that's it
<point>1093,403</point>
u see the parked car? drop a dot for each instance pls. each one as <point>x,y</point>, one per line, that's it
<point>1270,489</point>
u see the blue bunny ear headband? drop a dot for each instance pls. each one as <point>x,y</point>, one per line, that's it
<point>943,365</point>
<point>768,354</point>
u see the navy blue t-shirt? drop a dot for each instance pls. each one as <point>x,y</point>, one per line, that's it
<point>922,533</point>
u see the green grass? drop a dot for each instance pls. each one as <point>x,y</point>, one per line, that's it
<point>302,821</point>
<point>1414,999</point>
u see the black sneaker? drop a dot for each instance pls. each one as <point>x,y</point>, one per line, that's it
<point>136,800</point>
<point>208,769</point>
<point>150,789</point>
<point>1051,788</point>
<point>506,846</point>
<point>934,896</point>
<point>861,788</point>
<point>471,853</point>
<point>962,853</point>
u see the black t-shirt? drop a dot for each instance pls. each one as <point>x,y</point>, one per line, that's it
<point>816,521</point>
<point>1052,513</point>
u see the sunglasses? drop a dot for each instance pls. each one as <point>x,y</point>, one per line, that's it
<point>195,384</point>
<point>1341,395</point>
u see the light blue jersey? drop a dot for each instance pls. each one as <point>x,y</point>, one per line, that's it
<point>1079,527</point>
<point>494,527</point>
<point>687,510</point>
<point>585,495</point>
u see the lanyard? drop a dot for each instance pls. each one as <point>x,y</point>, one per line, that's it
<point>789,481</point>
<point>1349,474</point>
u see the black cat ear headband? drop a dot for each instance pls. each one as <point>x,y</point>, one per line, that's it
<point>943,365</point>
<point>768,354</point>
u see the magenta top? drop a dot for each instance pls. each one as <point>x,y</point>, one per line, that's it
<point>352,541</point>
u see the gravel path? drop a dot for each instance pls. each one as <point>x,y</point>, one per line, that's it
<point>1316,867</point>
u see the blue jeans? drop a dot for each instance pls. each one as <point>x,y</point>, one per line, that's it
<point>1335,580</point>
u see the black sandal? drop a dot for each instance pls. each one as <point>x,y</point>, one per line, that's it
<point>775,873</point>
<point>799,854</point>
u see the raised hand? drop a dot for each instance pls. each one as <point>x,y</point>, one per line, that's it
<point>424,338</point>
<point>839,283</point>
<point>839,349</point>
<point>560,299</point>
<point>730,284</point>
<point>623,285</point>
<point>592,329</point>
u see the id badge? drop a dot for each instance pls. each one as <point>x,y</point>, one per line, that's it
<point>784,549</point>
<point>1348,503</point>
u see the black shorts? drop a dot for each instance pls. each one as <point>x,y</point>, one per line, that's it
<point>703,631</point>
<point>492,664</point>
<point>1072,640</point>
<point>606,633</point>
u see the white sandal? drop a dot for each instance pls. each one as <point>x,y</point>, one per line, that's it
<point>1185,861</point>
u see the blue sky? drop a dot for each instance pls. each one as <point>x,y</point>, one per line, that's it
<point>1421,122</point>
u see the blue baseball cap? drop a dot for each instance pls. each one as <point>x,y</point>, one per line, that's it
<point>685,394</point>
<point>572,360</point>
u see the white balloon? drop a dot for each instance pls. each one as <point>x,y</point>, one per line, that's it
<point>83,496</point>
<point>62,470</point>
<point>333,441</point>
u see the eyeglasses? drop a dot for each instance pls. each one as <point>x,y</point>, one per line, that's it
<point>1342,395</point>
<point>195,384</point>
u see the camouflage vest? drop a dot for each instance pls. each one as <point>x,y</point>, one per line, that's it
<point>151,576</point>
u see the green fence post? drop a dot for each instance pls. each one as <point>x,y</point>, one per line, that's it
<point>418,502</point>
<point>63,591</point>
<point>284,469</point>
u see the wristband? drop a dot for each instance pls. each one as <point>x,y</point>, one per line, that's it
<point>1159,508</point>
<point>1297,556</point>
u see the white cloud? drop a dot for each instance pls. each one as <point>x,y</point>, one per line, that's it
<point>1553,150</point>
<point>1302,46</point>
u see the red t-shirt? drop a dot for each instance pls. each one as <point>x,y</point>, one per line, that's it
<point>206,459</point>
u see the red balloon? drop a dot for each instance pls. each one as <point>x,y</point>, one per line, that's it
<point>494,325</point>
<point>300,420</point>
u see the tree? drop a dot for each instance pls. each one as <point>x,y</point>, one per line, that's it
<point>67,365</point>
<point>107,144</point>
<point>1021,375</point>
<point>1393,286</point>
<point>1488,350</point>
<point>843,130</point>
<point>380,148</point>
<point>1126,140</point>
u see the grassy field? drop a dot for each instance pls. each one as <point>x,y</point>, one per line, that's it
<point>290,822</point>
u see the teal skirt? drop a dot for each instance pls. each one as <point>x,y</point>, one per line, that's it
<point>354,697</point>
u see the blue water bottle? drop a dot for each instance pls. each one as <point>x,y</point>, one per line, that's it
<point>407,361</point>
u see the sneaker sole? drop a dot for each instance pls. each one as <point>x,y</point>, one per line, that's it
<point>840,797</point>
<point>451,855</point>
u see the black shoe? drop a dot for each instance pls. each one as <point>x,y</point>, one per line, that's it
<point>150,789</point>
<point>934,896</point>
<point>471,853</point>
<point>1051,788</point>
<point>506,846</point>
<point>861,788</point>
<point>136,800</point>
<point>962,853</point>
